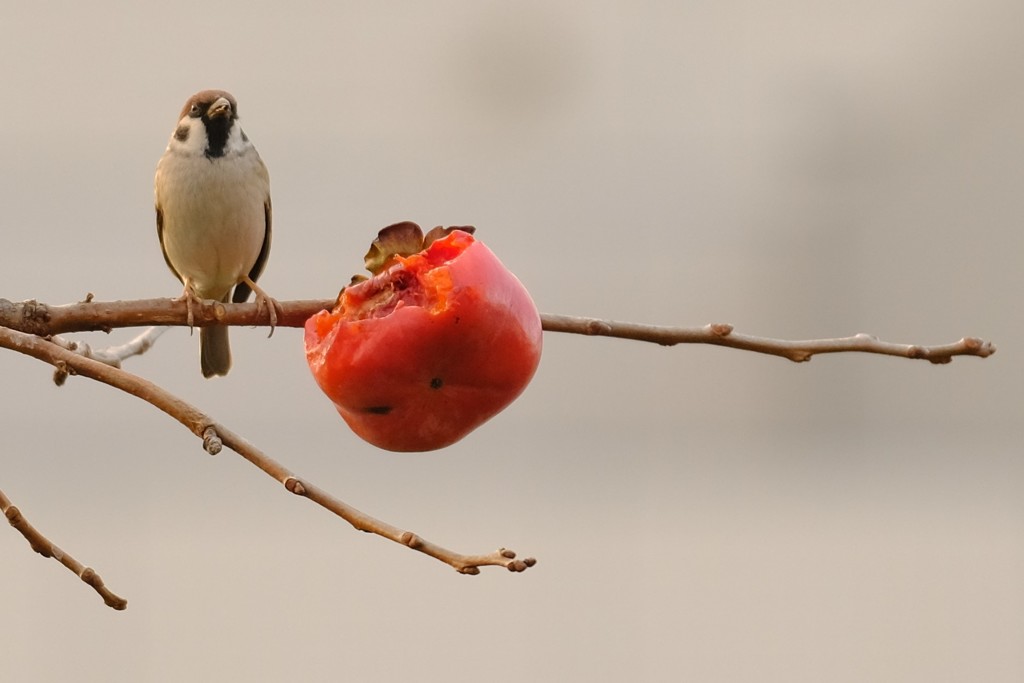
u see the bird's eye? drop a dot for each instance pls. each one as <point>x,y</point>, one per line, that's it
<point>195,111</point>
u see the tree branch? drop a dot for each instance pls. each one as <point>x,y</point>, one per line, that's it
<point>23,326</point>
<point>103,316</point>
<point>215,436</point>
<point>721,334</point>
<point>48,548</point>
<point>36,318</point>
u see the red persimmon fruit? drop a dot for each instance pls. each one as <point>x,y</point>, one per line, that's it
<point>440,339</point>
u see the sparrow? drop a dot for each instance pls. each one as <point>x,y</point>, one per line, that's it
<point>213,215</point>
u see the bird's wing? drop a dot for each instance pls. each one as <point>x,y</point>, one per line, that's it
<point>160,236</point>
<point>242,290</point>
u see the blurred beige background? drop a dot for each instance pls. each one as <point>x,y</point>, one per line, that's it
<point>799,169</point>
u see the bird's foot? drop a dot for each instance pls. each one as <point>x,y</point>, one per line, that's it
<point>189,296</point>
<point>264,300</point>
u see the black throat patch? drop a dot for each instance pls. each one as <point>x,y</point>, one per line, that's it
<point>217,132</point>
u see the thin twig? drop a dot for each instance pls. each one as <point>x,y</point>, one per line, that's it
<point>111,355</point>
<point>47,548</point>
<point>721,334</point>
<point>215,435</point>
<point>42,319</point>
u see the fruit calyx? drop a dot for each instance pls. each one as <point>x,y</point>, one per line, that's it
<point>403,239</point>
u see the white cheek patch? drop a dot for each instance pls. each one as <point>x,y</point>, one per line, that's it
<point>189,137</point>
<point>238,143</point>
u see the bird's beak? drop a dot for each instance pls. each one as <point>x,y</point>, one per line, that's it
<point>220,108</point>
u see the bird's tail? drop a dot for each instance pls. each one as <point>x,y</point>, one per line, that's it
<point>214,349</point>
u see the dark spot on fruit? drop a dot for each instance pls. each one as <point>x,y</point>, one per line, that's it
<point>401,280</point>
<point>378,410</point>
<point>436,383</point>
